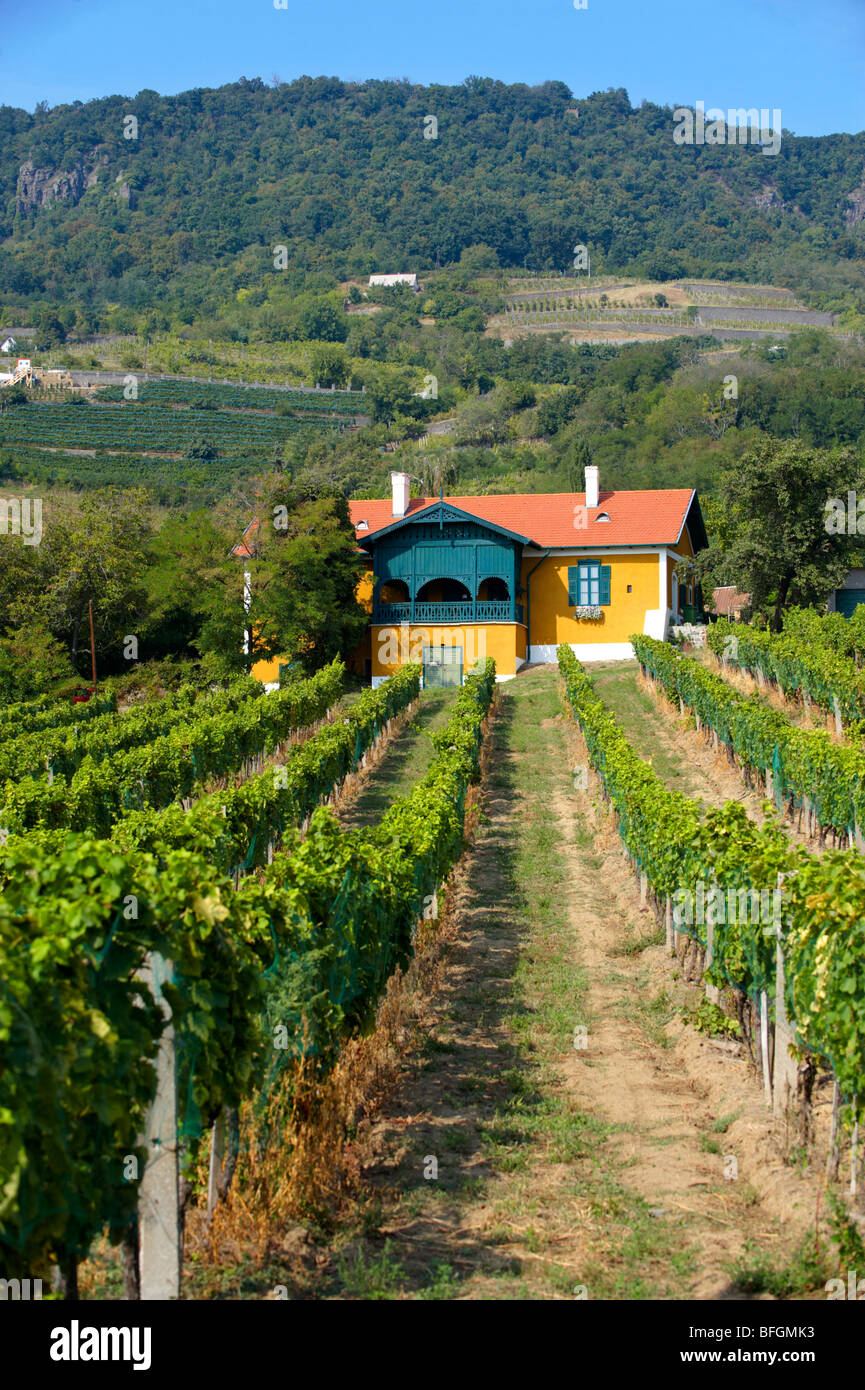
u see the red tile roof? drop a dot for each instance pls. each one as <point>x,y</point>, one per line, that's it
<point>729,600</point>
<point>548,518</point>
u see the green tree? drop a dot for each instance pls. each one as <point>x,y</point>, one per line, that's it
<point>195,593</point>
<point>576,461</point>
<point>95,551</point>
<point>322,320</point>
<point>774,543</point>
<point>389,392</point>
<point>31,663</point>
<point>437,471</point>
<point>13,395</point>
<point>305,575</point>
<point>329,365</point>
<point>49,331</point>
<point>203,449</point>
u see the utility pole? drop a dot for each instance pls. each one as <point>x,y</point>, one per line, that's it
<point>92,645</point>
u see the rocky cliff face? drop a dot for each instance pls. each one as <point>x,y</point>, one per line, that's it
<point>855,214</point>
<point>767,197</point>
<point>40,187</point>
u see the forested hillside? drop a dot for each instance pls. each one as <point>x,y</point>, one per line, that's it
<point>179,209</point>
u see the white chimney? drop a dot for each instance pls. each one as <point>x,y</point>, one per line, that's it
<point>592,485</point>
<point>401,484</point>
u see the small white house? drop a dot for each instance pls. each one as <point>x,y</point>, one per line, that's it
<point>8,346</point>
<point>388,280</point>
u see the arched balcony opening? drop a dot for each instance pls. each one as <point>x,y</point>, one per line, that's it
<point>493,590</point>
<point>443,591</point>
<point>394,591</point>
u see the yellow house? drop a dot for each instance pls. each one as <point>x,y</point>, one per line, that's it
<point>457,579</point>
<point>453,580</point>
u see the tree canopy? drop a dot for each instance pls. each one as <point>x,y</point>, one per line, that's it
<point>775,540</point>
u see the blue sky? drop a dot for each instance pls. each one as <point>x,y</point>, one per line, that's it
<point>806,57</point>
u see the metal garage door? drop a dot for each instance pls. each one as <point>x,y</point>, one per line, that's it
<point>847,599</point>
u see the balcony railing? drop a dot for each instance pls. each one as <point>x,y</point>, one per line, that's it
<point>502,611</point>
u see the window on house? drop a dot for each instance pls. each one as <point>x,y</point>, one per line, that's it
<point>588,583</point>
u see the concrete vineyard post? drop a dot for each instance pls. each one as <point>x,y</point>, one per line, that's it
<point>785,1072</point>
<point>713,994</point>
<point>158,1197</point>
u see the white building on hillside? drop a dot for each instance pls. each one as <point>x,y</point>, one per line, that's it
<point>8,346</point>
<point>387,280</point>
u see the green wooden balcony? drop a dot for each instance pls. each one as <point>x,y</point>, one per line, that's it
<point>504,611</point>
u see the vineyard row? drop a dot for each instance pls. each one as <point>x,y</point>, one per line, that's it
<point>817,939</point>
<point>796,662</point>
<point>804,769</point>
<point>172,766</point>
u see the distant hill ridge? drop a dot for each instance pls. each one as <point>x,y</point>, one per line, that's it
<point>179,200</point>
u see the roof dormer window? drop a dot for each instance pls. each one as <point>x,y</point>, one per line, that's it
<point>602,516</point>
<point>363,526</point>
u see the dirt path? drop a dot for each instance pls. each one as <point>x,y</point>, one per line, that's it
<point>513,1162</point>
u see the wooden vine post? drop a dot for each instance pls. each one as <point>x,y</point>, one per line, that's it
<point>764,1045</point>
<point>217,1162</point>
<point>158,1193</point>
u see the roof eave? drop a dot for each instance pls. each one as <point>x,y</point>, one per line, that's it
<point>424,513</point>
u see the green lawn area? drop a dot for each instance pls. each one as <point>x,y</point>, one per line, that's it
<point>405,760</point>
<point>636,711</point>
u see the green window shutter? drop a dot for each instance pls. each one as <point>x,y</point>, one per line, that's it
<point>573,585</point>
<point>605,584</point>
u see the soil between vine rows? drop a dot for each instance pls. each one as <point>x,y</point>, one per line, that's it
<point>558,1168</point>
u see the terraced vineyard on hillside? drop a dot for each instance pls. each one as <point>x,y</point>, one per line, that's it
<point>174,437</point>
<point>737,311</point>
